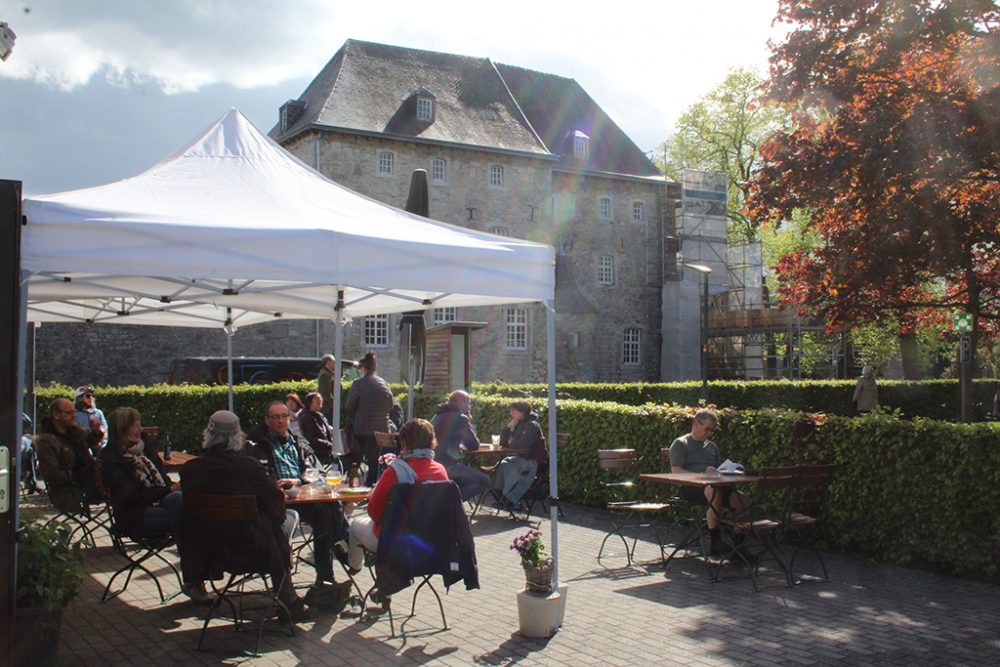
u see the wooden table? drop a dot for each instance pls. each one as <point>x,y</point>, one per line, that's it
<point>487,451</point>
<point>176,460</point>
<point>699,481</point>
<point>311,494</point>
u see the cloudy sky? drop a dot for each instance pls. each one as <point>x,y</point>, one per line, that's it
<point>97,90</point>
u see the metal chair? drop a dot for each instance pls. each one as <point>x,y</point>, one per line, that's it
<point>620,467</point>
<point>689,518</point>
<point>235,517</point>
<point>538,493</point>
<point>137,550</point>
<point>808,510</point>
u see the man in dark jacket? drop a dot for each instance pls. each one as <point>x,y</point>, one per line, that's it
<point>223,469</point>
<point>455,436</point>
<point>66,461</point>
<point>286,460</point>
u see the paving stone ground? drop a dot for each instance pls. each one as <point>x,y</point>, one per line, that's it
<point>868,614</point>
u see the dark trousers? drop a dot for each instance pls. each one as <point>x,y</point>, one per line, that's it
<point>329,527</point>
<point>366,449</point>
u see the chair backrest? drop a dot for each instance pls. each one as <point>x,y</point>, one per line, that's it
<point>222,531</point>
<point>812,486</point>
<point>610,459</point>
<point>219,508</point>
<point>561,440</point>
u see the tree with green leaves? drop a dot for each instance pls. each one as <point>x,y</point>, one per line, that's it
<point>722,132</point>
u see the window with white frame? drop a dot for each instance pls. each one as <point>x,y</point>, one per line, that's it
<point>604,207</point>
<point>385,163</point>
<point>499,230</point>
<point>638,211</point>
<point>377,331</point>
<point>581,145</point>
<point>425,109</point>
<point>517,328</point>
<point>631,346</point>
<point>606,270</point>
<point>496,176</point>
<point>439,170</point>
<point>444,315</point>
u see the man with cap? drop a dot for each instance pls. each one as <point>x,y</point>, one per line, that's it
<point>88,415</point>
<point>286,459</point>
<point>223,469</point>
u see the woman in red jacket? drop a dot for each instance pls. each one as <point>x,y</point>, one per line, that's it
<point>414,464</point>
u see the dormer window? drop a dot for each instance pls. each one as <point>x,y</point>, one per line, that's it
<point>289,113</point>
<point>425,109</point>
<point>581,145</point>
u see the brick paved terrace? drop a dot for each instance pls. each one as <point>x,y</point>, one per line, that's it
<point>616,615</point>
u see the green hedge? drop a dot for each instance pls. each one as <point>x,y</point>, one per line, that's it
<point>906,491</point>
<point>183,410</point>
<point>935,399</point>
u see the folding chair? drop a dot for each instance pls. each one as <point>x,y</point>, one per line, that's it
<point>85,522</point>
<point>763,522</point>
<point>808,510</point>
<point>620,467</point>
<point>137,550</point>
<point>424,532</point>
<point>687,516</point>
<point>236,518</point>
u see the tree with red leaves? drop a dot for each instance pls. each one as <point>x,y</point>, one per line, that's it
<point>895,153</point>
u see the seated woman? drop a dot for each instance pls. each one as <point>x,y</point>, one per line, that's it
<point>295,408</point>
<point>316,429</point>
<point>414,464</point>
<point>142,497</point>
<point>513,476</point>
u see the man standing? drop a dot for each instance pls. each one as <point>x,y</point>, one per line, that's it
<point>88,415</point>
<point>286,459</point>
<point>325,381</point>
<point>66,461</point>
<point>223,469</point>
<point>455,436</point>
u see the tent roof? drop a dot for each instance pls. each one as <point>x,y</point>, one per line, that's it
<point>235,221</point>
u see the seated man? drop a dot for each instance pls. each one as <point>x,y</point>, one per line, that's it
<point>414,464</point>
<point>286,459</point>
<point>65,459</point>
<point>694,452</point>
<point>222,469</point>
<point>514,475</point>
<point>455,436</point>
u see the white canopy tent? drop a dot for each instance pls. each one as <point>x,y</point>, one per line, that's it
<point>234,230</point>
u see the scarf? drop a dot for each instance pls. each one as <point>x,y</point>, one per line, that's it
<point>147,473</point>
<point>404,473</point>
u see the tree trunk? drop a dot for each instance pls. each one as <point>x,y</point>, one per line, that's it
<point>909,351</point>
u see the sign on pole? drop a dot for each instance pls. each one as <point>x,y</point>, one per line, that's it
<point>963,322</point>
<point>965,349</point>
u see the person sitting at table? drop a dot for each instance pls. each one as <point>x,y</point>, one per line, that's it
<point>295,408</point>
<point>287,459</point>
<point>66,461</point>
<point>694,452</point>
<point>455,436</point>
<point>223,469</point>
<point>142,497</point>
<point>414,464</point>
<point>316,429</point>
<point>514,474</point>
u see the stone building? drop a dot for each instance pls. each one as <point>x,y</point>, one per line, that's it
<point>507,150</point>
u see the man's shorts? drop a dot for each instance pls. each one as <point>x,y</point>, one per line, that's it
<point>696,495</point>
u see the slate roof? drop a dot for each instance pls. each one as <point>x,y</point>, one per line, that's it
<point>365,88</point>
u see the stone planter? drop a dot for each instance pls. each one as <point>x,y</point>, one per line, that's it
<point>36,636</point>
<point>541,615</point>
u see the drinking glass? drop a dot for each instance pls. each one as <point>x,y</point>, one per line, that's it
<point>310,475</point>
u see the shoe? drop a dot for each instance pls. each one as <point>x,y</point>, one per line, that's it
<point>196,591</point>
<point>353,571</point>
<point>376,597</point>
<point>297,612</point>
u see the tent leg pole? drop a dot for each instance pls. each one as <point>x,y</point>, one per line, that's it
<point>338,347</point>
<point>550,355</point>
<point>410,371</point>
<point>229,364</point>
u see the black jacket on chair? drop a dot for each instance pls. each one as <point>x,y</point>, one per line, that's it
<point>425,531</point>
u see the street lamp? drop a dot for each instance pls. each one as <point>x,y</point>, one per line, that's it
<point>704,271</point>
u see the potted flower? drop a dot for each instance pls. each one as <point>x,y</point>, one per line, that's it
<point>539,609</point>
<point>537,567</point>
<point>49,573</point>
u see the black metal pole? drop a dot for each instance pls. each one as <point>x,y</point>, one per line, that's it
<point>10,404</point>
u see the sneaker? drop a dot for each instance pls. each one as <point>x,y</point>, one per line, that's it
<point>196,591</point>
